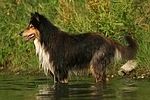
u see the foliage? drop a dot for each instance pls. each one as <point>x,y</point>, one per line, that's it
<point>112,18</point>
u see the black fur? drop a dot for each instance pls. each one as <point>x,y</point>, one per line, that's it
<point>89,50</point>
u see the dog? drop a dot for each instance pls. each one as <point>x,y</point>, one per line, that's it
<point>59,52</point>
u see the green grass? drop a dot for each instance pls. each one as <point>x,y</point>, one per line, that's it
<point>109,17</point>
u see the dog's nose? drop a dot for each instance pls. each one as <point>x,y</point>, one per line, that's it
<point>20,33</point>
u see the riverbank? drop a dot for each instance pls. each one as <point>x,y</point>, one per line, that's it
<point>137,73</point>
<point>112,19</point>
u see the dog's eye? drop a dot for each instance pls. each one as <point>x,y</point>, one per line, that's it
<point>31,26</point>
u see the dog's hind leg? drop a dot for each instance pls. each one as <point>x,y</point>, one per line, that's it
<point>98,67</point>
<point>97,73</point>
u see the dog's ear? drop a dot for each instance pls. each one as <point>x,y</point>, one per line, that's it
<point>35,15</point>
<point>32,14</point>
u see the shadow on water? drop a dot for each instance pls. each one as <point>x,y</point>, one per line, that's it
<point>116,89</point>
<point>84,91</point>
<point>70,91</point>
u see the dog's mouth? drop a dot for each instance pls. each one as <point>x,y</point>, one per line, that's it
<point>30,37</point>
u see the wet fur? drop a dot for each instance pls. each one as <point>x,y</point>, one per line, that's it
<point>60,52</point>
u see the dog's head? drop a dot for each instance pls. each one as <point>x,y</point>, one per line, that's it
<point>32,31</point>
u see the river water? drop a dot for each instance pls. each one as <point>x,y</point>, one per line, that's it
<point>42,88</point>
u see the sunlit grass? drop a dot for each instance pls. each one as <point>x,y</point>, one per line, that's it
<point>108,17</point>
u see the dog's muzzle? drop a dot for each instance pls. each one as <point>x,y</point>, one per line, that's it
<point>20,33</point>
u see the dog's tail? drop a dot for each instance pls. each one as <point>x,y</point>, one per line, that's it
<point>128,52</point>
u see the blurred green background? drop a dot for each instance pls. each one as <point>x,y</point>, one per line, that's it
<point>111,18</point>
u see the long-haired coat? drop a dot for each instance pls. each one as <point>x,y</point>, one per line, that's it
<point>60,52</point>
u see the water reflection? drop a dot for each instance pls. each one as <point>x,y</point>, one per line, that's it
<point>128,90</point>
<point>123,90</point>
<point>31,88</point>
<point>54,92</point>
<point>75,91</point>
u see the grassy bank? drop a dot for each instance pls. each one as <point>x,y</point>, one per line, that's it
<point>111,18</point>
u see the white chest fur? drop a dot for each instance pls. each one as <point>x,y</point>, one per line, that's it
<point>44,57</point>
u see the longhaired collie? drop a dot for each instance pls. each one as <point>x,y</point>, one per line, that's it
<point>60,52</point>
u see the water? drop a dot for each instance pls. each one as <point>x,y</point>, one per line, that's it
<point>42,88</point>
